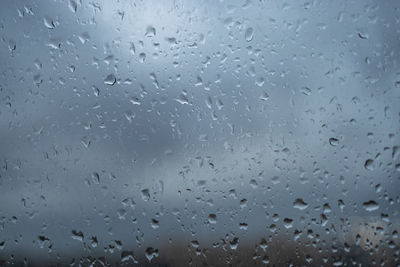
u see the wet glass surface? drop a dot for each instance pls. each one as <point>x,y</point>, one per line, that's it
<point>191,133</point>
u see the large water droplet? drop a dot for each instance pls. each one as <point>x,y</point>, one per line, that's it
<point>369,164</point>
<point>110,79</point>
<point>300,204</point>
<point>370,205</point>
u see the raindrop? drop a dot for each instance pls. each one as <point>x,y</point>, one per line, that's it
<point>48,22</point>
<point>275,180</point>
<point>243,226</point>
<point>369,164</point>
<point>142,57</point>
<point>327,208</point>
<point>249,34</point>
<point>42,240</point>
<point>132,49</point>
<point>151,253</point>
<point>72,5</point>
<point>84,37</point>
<point>96,178</point>
<point>370,205</point>
<point>37,79</point>
<point>203,137</point>
<point>288,223</point>
<point>243,203</point>
<point>333,141</point>
<point>182,99</point>
<point>306,91</point>
<point>150,31</point>
<point>154,223</point>
<point>341,205</point>
<point>128,256</point>
<point>110,79</point>
<point>121,214</point>
<point>264,96</point>
<point>234,243</point>
<point>77,235</point>
<point>135,101</point>
<point>195,243</point>
<point>86,141</point>
<point>12,45</point>
<point>253,183</point>
<point>145,194</point>
<point>212,218</point>
<point>93,241</point>
<point>300,204</point>
<point>363,35</point>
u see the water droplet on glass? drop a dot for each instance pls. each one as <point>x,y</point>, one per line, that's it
<point>243,226</point>
<point>370,205</point>
<point>110,79</point>
<point>84,37</point>
<point>96,178</point>
<point>212,218</point>
<point>150,31</point>
<point>121,214</point>
<point>145,194</point>
<point>264,96</point>
<point>203,137</point>
<point>253,183</point>
<point>300,204</point>
<point>154,223</point>
<point>333,141</point>
<point>195,243</point>
<point>48,22</point>
<point>127,256</point>
<point>12,45</point>
<point>93,241</point>
<point>288,223</point>
<point>72,5</point>
<point>369,164</point>
<point>306,91</point>
<point>151,253</point>
<point>77,235</point>
<point>132,49</point>
<point>249,34</point>
<point>243,203</point>
<point>182,99</point>
<point>37,79</point>
<point>142,57</point>
<point>341,204</point>
<point>363,35</point>
<point>234,243</point>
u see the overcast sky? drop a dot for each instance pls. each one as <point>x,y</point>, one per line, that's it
<point>117,114</point>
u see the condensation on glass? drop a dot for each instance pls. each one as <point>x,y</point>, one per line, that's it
<point>189,133</point>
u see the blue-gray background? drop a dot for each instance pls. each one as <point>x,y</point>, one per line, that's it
<point>114,114</point>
